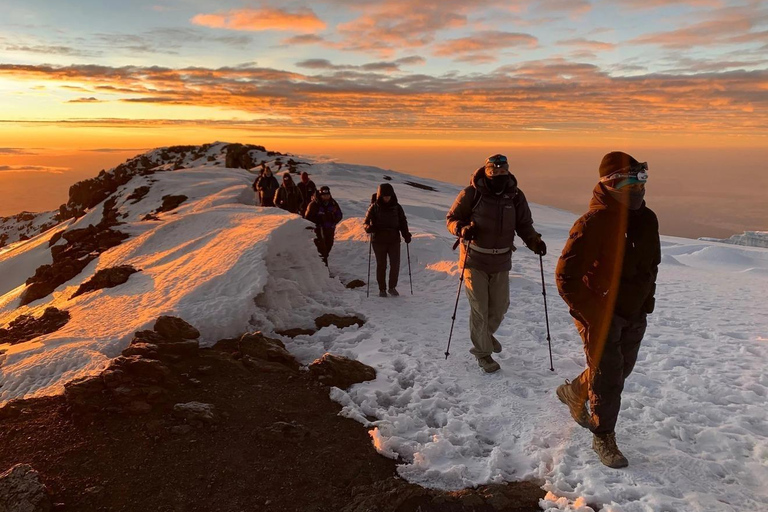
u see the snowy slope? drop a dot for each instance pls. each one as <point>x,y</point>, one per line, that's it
<point>24,226</point>
<point>693,421</point>
<point>748,238</point>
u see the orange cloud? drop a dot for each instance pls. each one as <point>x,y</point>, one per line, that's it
<point>482,42</point>
<point>301,20</point>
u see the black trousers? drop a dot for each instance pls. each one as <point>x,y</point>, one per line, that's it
<point>382,251</point>
<point>324,241</point>
<point>611,356</point>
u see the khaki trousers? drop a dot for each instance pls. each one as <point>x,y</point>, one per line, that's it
<point>488,296</point>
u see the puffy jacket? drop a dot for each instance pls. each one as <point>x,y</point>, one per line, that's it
<point>288,196</point>
<point>386,221</point>
<point>610,261</point>
<point>308,191</point>
<point>497,218</point>
<point>324,214</point>
<point>267,186</point>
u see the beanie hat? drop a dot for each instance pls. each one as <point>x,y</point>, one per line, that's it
<point>325,190</point>
<point>495,162</point>
<point>615,161</point>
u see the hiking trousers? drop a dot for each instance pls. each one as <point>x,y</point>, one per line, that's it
<point>609,363</point>
<point>488,296</point>
<point>324,238</point>
<point>384,250</point>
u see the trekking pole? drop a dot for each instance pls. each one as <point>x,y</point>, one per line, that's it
<point>408,252</point>
<point>546,313</point>
<point>458,294</point>
<point>370,246</point>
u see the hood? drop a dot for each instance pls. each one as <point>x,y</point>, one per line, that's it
<point>304,177</point>
<point>385,189</point>
<point>478,181</point>
<point>602,200</point>
<point>289,182</point>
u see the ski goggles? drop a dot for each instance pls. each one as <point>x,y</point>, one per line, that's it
<point>496,161</point>
<point>629,175</point>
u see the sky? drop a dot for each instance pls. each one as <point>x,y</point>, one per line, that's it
<point>427,87</point>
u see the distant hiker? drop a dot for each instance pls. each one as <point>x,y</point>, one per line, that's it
<point>255,187</point>
<point>288,196</point>
<point>485,216</point>
<point>267,185</point>
<point>308,191</point>
<point>325,212</point>
<point>607,276</point>
<point>386,221</point>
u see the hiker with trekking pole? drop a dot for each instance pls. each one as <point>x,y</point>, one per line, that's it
<point>485,216</point>
<point>325,212</point>
<point>385,221</point>
<point>607,277</point>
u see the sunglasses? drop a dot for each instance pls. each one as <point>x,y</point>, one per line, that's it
<point>497,160</point>
<point>637,173</point>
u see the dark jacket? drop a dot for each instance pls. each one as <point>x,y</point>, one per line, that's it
<point>386,221</point>
<point>324,214</point>
<point>288,196</point>
<point>497,217</point>
<point>610,261</point>
<point>308,191</point>
<point>267,186</point>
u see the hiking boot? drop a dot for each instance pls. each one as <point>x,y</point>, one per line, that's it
<point>382,293</point>
<point>610,455</point>
<point>393,292</point>
<point>575,403</point>
<point>496,345</point>
<point>488,364</point>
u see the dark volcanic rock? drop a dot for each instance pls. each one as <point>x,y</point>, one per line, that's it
<point>420,186</point>
<point>292,333</point>
<point>339,321</point>
<point>106,278</point>
<point>258,346</point>
<point>175,329</point>
<point>26,327</point>
<point>22,491</point>
<point>357,283</point>
<point>170,203</point>
<point>138,194</point>
<point>238,156</point>
<point>338,371</point>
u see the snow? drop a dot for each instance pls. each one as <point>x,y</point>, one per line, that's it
<point>693,421</point>
<point>748,238</point>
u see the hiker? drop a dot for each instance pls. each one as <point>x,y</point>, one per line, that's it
<point>607,276</point>
<point>288,196</point>
<point>267,185</point>
<point>325,212</point>
<point>308,191</point>
<point>255,188</point>
<point>386,221</point>
<point>485,216</point>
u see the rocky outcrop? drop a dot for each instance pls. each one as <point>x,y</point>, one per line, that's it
<point>239,157</point>
<point>339,321</point>
<point>26,327</point>
<point>338,371</point>
<point>356,283</point>
<point>138,194</point>
<point>170,203</point>
<point>22,491</point>
<point>106,278</point>
<point>259,352</point>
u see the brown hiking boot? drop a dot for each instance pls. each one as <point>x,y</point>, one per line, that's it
<point>488,364</point>
<point>610,455</point>
<point>575,403</point>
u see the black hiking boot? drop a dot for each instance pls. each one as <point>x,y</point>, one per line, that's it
<point>488,364</point>
<point>576,404</point>
<point>382,293</point>
<point>393,292</point>
<point>610,455</point>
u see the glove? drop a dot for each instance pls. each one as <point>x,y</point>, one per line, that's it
<point>469,232</point>
<point>369,228</point>
<point>649,305</point>
<point>539,247</point>
<point>407,237</point>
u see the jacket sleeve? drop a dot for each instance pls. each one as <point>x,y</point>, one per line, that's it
<point>278,199</point>
<point>403,222</point>
<point>650,301</point>
<point>368,222</point>
<point>524,221</point>
<point>311,213</point>
<point>579,254</point>
<point>337,215</point>
<point>461,211</point>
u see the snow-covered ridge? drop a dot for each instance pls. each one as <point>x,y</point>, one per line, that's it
<point>23,226</point>
<point>693,423</point>
<point>748,238</point>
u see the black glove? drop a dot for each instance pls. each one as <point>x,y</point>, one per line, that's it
<point>468,232</point>
<point>649,305</point>
<point>407,237</point>
<point>539,247</point>
<point>369,228</point>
